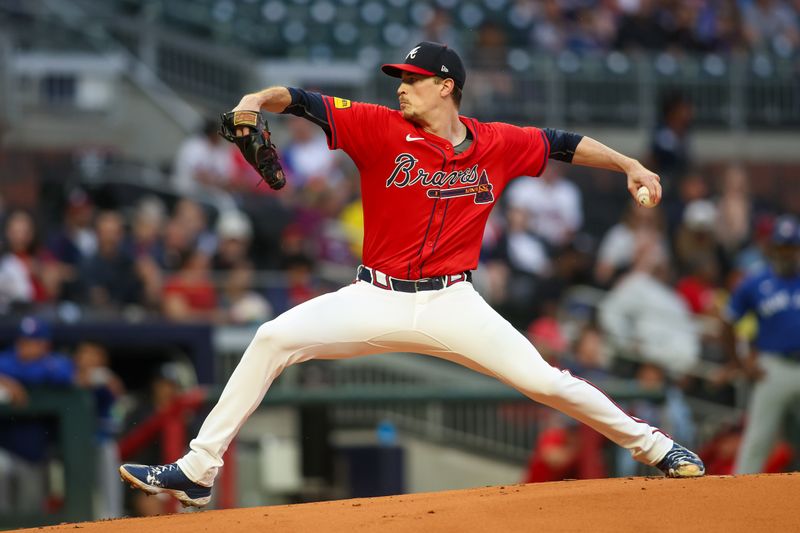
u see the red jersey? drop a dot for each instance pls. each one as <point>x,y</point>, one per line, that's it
<point>425,207</point>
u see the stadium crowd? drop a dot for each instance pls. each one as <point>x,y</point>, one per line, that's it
<point>204,252</point>
<point>487,29</point>
<point>220,249</point>
<point>589,27</point>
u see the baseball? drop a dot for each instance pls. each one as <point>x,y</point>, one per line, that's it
<point>643,197</point>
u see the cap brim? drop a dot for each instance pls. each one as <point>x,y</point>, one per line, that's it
<point>396,70</point>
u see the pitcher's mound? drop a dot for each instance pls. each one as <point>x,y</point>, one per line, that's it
<point>741,503</point>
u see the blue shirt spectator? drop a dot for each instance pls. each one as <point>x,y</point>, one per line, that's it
<point>31,362</point>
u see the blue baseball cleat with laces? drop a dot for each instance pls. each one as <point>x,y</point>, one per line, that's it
<point>166,478</point>
<point>680,462</point>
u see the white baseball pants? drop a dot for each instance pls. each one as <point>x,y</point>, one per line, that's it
<point>453,323</point>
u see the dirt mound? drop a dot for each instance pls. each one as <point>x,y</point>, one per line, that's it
<point>740,503</point>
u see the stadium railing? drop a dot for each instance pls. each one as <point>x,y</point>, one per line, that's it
<point>73,411</point>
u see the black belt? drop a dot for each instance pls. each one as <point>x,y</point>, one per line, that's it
<point>383,281</point>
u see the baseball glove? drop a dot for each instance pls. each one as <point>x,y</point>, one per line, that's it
<point>256,145</point>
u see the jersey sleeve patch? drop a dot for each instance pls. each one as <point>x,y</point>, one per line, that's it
<point>341,103</point>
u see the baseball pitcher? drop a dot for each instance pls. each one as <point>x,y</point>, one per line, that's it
<point>429,178</point>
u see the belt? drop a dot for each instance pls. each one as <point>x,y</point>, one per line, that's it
<point>384,281</point>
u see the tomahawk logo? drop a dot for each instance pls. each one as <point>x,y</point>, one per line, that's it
<point>413,53</point>
<point>440,184</point>
<point>482,191</point>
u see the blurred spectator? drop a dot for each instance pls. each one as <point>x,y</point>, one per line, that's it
<point>719,453</point>
<point>234,233</point>
<point>109,279</point>
<point>351,220</point>
<point>438,28</point>
<point>734,211</point>
<point>73,242</point>
<point>549,33</point>
<point>194,219</point>
<point>93,373</point>
<point>552,203</point>
<point>555,454</point>
<point>689,188</point>
<point>240,303</point>
<point>589,358</point>
<point>30,362</point>
<point>771,26</point>
<point>618,247</point>
<point>149,220</point>
<point>335,245</point>
<point>545,333</point>
<point>295,242</point>
<point>645,317</point>
<point>573,264</point>
<point>300,283</point>
<point>679,21</point>
<point>753,258</point>
<point>524,251</point>
<point>11,392</point>
<point>76,238</point>
<point>525,264</point>
<point>306,156</point>
<point>565,449</point>
<point>726,35</point>
<point>591,31</point>
<point>177,243</point>
<point>695,240</point>
<point>203,166</point>
<point>639,29</point>
<point>489,54</point>
<point>148,248</point>
<point>21,243</point>
<point>15,283</point>
<point>700,285</point>
<point>670,152</point>
<point>189,294</point>
<point>491,80</point>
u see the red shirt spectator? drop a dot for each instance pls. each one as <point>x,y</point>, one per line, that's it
<point>190,294</point>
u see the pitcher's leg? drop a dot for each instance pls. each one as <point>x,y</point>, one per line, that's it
<point>262,362</point>
<point>471,329</point>
<point>585,402</point>
<point>334,325</point>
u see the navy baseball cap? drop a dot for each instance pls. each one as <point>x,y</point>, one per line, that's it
<point>430,59</point>
<point>786,231</point>
<point>34,328</point>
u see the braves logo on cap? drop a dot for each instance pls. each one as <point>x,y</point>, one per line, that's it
<point>413,53</point>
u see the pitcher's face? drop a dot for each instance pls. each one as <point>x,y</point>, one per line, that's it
<point>418,95</point>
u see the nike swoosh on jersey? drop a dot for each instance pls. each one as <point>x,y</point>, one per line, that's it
<point>410,138</point>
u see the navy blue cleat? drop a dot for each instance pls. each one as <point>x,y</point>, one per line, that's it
<point>166,478</point>
<point>680,462</point>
